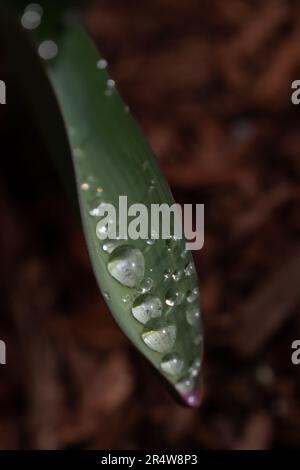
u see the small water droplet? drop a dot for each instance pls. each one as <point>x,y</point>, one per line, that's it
<point>48,50</point>
<point>85,186</point>
<point>99,210</point>
<point>109,246</point>
<point>150,242</point>
<point>174,297</point>
<point>161,337</point>
<point>184,253</point>
<point>99,190</point>
<point>198,340</point>
<point>177,275</point>
<point>189,269</point>
<point>192,315</point>
<point>172,364</point>
<point>146,307</point>
<point>102,64</point>
<point>171,243</point>
<point>185,386</point>
<point>146,285</point>
<point>110,83</point>
<point>194,369</point>
<point>127,265</point>
<point>126,299</point>
<point>167,274</point>
<point>78,152</point>
<point>106,295</point>
<point>31,19</point>
<point>192,295</point>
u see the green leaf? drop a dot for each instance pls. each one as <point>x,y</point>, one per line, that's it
<point>150,287</point>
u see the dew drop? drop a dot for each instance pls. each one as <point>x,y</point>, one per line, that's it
<point>99,210</point>
<point>110,83</point>
<point>106,295</point>
<point>184,254</point>
<point>171,243</point>
<point>31,19</point>
<point>167,274</point>
<point>160,338</point>
<point>48,50</point>
<point>172,364</point>
<point>127,265</point>
<point>192,295</point>
<point>194,369</point>
<point>85,186</point>
<point>198,340</point>
<point>174,297</point>
<point>78,153</point>
<point>102,64</point>
<point>126,299</point>
<point>189,269</point>
<point>177,275</point>
<point>192,315</point>
<point>185,386</point>
<point>109,246</point>
<point>146,285</point>
<point>146,307</point>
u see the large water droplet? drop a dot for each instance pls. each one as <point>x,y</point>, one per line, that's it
<point>192,295</point>
<point>48,50</point>
<point>161,337</point>
<point>172,364</point>
<point>146,285</point>
<point>174,297</point>
<point>193,315</point>
<point>146,307</point>
<point>127,265</point>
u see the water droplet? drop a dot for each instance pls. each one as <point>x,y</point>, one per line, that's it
<point>184,253</point>
<point>31,19</point>
<point>198,340</point>
<point>194,369</point>
<point>150,242</point>
<point>127,265</point>
<point>192,315</point>
<point>189,269</point>
<point>48,50</point>
<point>126,299</point>
<point>161,337</point>
<point>85,186</point>
<point>99,190</point>
<point>177,275</point>
<point>192,295</point>
<point>109,246</point>
<point>172,364</point>
<point>106,295</point>
<point>185,386</point>
<point>167,274</point>
<point>146,307</point>
<point>102,64</point>
<point>171,243</point>
<point>78,152</point>
<point>146,285</point>
<point>174,297</point>
<point>110,83</point>
<point>99,210</point>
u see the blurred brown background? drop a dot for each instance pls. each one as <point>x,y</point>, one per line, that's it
<point>210,83</point>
